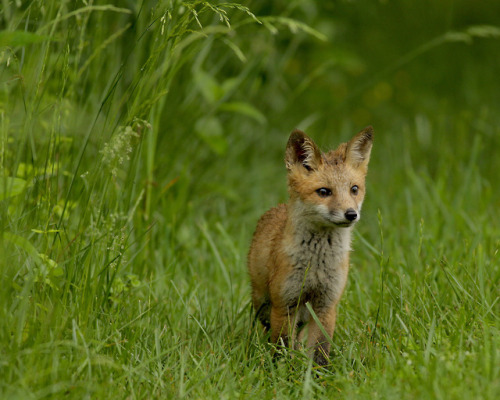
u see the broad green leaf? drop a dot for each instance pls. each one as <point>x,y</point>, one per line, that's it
<point>24,244</point>
<point>45,264</point>
<point>210,130</point>
<point>237,51</point>
<point>47,231</point>
<point>457,37</point>
<point>244,109</point>
<point>10,186</point>
<point>229,85</point>
<point>20,38</point>
<point>53,268</point>
<point>208,86</point>
<point>292,24</point>
<point>484,31</point>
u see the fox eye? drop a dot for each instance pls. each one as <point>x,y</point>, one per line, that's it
<point>324,192</point>
<point>354,190</point>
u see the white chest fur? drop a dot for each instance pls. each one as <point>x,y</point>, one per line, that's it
<point>318,274</point>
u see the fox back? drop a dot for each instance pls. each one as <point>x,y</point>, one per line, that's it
<point>300,250</point>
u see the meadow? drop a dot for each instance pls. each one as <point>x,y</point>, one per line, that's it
<point>141,141</point>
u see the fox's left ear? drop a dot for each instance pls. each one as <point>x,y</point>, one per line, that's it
<point>359,148</point>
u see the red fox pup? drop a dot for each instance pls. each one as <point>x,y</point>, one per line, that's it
<point>300,250</point>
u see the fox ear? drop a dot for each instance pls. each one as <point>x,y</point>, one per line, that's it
<point>359,148</point>
<point>300,149</point>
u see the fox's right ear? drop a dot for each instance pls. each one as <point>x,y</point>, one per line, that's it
<point>359,149</point>
<point>300,149</point>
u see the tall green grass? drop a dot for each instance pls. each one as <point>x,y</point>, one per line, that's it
<point>139,143</point>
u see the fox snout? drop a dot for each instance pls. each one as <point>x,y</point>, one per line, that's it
<point>344,218</point>
<point>351,214</point>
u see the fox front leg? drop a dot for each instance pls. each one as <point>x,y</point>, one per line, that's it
<point>317,342</point>
<point>283,326</point>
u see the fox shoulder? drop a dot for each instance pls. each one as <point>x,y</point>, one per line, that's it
<point>273,220</point>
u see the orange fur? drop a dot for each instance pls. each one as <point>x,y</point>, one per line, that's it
<point>300,250</point>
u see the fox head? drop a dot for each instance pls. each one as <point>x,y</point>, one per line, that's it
<point>328,188</point>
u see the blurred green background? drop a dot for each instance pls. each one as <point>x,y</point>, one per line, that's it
<point>141,141</point>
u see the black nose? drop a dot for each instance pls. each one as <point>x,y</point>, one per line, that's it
<point>351,214</point>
